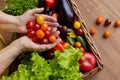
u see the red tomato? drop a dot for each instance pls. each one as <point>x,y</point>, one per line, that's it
<point>50,3</point>
<point>47,34</point>
<point>58,47</point>
<point>35,39</point>
<point>36,27</point>
<point>87,62</point>
<point>31,33</point>
<point>44,41</point>
<point>30,25</point>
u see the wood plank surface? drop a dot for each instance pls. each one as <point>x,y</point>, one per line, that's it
<point>109,48</point>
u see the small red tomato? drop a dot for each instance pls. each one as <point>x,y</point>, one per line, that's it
<point>87,62</point>
<point>47,34</point>
<point>36,27</point>
<point>59,47</point>
<point>44,41</point>
<point>79,32</point>
<point>31,33</point>
<point>30,25</point>
<point>50,3</point>
<point>35,39</point>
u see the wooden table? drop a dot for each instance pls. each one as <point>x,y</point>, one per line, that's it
<point>109,48</point>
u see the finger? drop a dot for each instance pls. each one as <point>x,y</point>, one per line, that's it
<point>57,33</point>
<point>53,30</point>
<point>52,24</point>
<point>37,10</point>
<point>49,18</point>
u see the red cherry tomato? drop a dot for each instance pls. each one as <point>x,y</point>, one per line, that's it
<point>59,47</point>
<point>30,25</point>
<point>87,62</point>
<point>35,39</point>
<point>44,41</point>
<point>47,34</point>
<point>50,3</point>
<point>36,27</point>
<point>31,33</point>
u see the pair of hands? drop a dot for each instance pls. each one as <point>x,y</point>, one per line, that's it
<point>24,43</point>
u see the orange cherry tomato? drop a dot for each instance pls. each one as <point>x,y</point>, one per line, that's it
<point>44,27</point>
<point>66,45</point>
<point>55,15</point>
<point>82,49</point>
<point>117,23</point>
<point>52,39</point>
<point>40,34</point>
<point>106,34</point>
<point>92,31</point>
<point>77,44</point>
<point>99,20</point>
<point>40,19</point>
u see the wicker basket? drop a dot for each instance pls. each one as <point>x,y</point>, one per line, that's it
<point>89,40</point>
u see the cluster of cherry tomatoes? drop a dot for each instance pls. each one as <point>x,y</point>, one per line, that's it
<point>38,31</point>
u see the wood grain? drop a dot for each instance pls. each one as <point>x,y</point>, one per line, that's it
<point>109,48</point>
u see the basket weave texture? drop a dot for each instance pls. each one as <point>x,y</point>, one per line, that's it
<point>89,39</point>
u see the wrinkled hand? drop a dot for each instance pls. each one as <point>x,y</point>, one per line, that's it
<point>31,15</point>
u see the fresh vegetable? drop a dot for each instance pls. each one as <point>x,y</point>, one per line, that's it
<point>18,7</point>
<point>70,40</point>
<point>107,22</point>
<point>55,15</point>
<point>63,66</point>
<point>79,32</point>
<point>77,25</point>
<point>106,34</point>
<point>40,19</point>
<point>52,39</point>
<point>88,62</point>
<point>44,41</point>
<point>40,34</point>
<point>44,27</point>
<point>83,42</point>
<point>35,39</point>
<point>36,27</point>
<point>93,31</point>
<point>77,44</point>
<point>66,45</point>
<point>117,23</point>
<point>50,3</point>
<point>30,25</point>
<point>58,47</point>
<point>66,12</point>
<point>99,20</point>
<point>72,34</point>
<point>47,34</point>
<point>31,33</point>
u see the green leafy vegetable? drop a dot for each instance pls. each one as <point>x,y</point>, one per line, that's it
<point>64,66</point>
<point>18,7</point>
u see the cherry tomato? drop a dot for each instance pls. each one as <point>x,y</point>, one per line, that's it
<point>44,27</point>
<point>55,15</point>
<point>82,49</point>
<point>40,19</point>
<point>31,33</point>
<point>77,24</point>
<point>99,20</point>
<point>36,27</point>
<point>66,45</point>
<point>40,34</point>
<point>117,23</point>
<point>49,55</point>
<point>52,39</point>
<point>44,41</point>
<point>35,39</point>
<point>79,31</point>
<point>92,31</point>
<point>50,3</point>
<point>77,44</point>
<point>59,47</point>
<point>47,34</point>
<point>30,25</point>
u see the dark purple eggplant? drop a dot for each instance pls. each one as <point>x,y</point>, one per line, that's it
<point>66,12</point>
